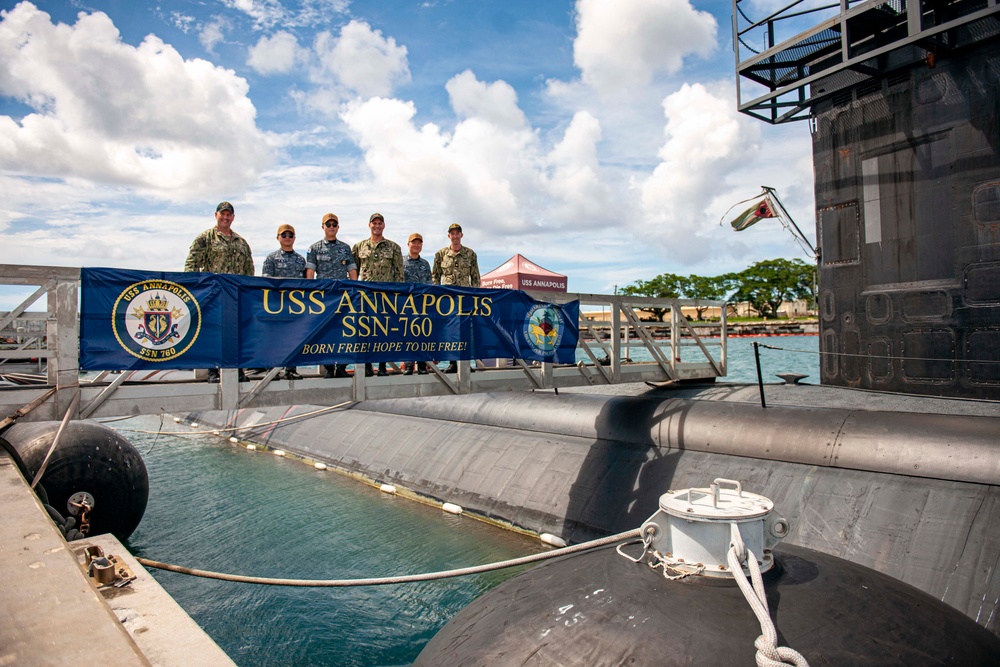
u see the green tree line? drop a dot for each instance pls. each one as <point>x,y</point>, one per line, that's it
<point>764,285</point>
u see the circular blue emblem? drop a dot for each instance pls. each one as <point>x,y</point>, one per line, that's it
<point>543,329</point>
<point>156,320</point>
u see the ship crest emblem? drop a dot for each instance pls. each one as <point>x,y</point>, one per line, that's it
<point>543,329</point>
<point>158,324</point>
<point>156,320</point>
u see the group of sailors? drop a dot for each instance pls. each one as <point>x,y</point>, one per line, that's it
<point>219,249</point>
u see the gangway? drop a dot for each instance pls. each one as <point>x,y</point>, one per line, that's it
<point>616,345</point>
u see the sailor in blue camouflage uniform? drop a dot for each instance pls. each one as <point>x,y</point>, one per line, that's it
<point>285,263</point>
<point>417,270</point>
<point>331,259</point>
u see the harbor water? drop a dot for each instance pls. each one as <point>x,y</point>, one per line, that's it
<point>216,506</point>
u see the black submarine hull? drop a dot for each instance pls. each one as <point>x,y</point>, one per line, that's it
<point>914,494</point>
<point>597,608</point>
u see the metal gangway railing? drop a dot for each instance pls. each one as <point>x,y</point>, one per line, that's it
<point>618,343</point>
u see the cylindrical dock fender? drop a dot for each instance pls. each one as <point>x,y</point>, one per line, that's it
<point>598,608</point>
<point>90,459</point>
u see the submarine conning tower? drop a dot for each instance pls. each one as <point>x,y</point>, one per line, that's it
<point>903,103</point>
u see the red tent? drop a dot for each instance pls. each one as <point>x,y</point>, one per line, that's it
<point>519,272</point>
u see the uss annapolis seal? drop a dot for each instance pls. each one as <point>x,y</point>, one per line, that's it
<point>543,329</point>
<point>156,320</point>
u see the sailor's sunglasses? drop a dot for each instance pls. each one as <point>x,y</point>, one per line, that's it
<point>287,235</point>
<point>331,223</point>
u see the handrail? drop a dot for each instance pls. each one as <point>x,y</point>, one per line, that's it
<point>61,287</point>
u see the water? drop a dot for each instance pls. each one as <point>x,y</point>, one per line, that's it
<point>213,506</point>
<point>800,354</point>
<point>217,507</point>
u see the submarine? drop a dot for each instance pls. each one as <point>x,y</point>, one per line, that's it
<point>898,498</point>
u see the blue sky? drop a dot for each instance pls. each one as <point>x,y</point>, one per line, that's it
<point>600,138</point>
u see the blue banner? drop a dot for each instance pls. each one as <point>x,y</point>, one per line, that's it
<point>134,320</point>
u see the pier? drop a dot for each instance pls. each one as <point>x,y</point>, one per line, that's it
<point>626,348</point>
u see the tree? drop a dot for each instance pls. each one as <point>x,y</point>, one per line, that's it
<point>706,288</point>
<point>663,286</point>
<point>769,283</point>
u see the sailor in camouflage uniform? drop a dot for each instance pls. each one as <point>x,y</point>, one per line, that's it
<point>221,250</point>
<point>455,264</point>
<point>416,270</point>
<point>378,260</point>
<point>331,259</point>
<point>285,263</point>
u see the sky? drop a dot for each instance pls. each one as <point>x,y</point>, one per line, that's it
<point>599,138</point>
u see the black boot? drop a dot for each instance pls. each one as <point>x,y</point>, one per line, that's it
<point>452,367</point>
<point>341,371</point>
<point>330,371</point>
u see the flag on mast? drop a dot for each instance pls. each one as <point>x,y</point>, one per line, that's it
<point>762,209</point>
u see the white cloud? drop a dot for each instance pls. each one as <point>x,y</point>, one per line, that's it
<point>212,33</point>
<point>705,139</point>
<point>275,55</point>
<point>493,168</point>
<point>265,13</point>
<point>269,13</point>
<point>113,113</point>
<point>623,43</point>
<point>183,22</point>
<point>320,12</point>
<point>577,184</point>
<point>360,62</point>
<point>495,103</point>
<point>712,157</point>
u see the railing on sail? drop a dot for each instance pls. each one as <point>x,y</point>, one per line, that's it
<point>621,340</point>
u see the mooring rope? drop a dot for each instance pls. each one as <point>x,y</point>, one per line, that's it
<point>769,654</point>
<point>401,579</point>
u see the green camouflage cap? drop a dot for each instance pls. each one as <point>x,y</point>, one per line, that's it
<point>225,206</point>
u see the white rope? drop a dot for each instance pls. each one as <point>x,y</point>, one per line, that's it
<point>769,654</point>
<point>654,559</point>
<point>402,579</point>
